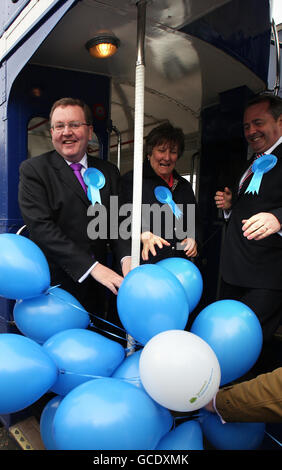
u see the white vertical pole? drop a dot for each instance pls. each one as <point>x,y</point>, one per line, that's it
<point>138,136</point>
<point>138,144</point>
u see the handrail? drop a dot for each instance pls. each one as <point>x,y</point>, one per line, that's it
<point>117,132</point>
<point>278,58</point>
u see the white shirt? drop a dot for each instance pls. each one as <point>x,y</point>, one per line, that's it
<point>84,164</point>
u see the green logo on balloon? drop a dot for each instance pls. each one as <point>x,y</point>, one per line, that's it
<point>193,399</point>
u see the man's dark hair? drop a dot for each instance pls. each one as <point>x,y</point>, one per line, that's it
<point>73,102</point>
<point>165,133</point>
<point>275,103</point>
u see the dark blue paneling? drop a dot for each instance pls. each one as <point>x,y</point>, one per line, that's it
<point>242,29</point>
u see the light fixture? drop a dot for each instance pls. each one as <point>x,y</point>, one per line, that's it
<point>102,45</point>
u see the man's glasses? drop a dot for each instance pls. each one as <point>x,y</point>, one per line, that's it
<point>73,125</point>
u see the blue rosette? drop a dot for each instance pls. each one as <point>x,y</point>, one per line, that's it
<point>164,196</point>
<point>261,166</point>
<point>94,180</point>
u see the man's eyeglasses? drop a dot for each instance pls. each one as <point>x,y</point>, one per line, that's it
<point>73,125</point>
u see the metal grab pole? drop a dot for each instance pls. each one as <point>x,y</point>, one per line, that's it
<point>138,135</point>
<point>278,59</point>
<point>138,146</point>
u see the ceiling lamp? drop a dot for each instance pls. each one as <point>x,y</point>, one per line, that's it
<point>102,46</point>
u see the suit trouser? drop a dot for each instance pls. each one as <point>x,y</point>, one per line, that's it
<point>267,305</point>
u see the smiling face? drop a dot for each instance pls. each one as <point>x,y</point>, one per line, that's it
<point>71,144</point>
<point>163,159</point>
<point>260,128</point>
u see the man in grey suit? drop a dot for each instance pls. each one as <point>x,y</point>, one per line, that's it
<point>54,207</point>
<point>252,251</point>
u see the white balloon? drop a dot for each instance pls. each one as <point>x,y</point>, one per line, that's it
<point>179,370</point>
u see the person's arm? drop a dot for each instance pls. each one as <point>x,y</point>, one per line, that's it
<point>261,225</point>
<point>256,400</point>
<point>45,232</point>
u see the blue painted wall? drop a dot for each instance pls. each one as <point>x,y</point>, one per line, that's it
<point>241,28</point>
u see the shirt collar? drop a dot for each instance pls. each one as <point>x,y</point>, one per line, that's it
<point>278,142</point>
<point>83,161</point>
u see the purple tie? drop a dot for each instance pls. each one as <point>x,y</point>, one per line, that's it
<point>76,167</point>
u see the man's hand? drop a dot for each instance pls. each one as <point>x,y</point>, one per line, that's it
<point>107,277</point>
<point>223,199</point>
<point>260,226</point>
<point>149,241</point>
<point>190,247</point>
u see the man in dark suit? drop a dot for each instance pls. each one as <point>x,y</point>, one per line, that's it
<point>252,252</point>
<point>54,207</point>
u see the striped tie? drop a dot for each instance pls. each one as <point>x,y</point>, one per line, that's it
<point>249,171</point>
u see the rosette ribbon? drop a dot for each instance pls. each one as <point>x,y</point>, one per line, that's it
<point>95,180</point>
<point>261,166</point>
<point>164,196</point>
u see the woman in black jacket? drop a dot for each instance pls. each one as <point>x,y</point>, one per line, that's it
<point>170,219</point>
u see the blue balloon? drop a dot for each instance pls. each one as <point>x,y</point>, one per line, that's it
<point>129,372</point>
<point>186,436</point>
<point>234,333</point>
<point>107,414</point>
<point>24,271</point>
<point>46,423</point>
<point>151,300</point>
<point>26,372</point>
<point>82,355</point>
<point>232,436</point>
<point>43,316</point>
<point>189,276</point>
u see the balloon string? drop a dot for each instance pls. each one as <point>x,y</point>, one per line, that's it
<point>4,320</point>
<point>82,309</point>
<point>273,438</point>
<point>136,343</point>
<point>68,372</point>
<point>104,331</point>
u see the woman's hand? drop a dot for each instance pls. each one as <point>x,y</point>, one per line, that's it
<point>190,247</point>
<point>149,241</point>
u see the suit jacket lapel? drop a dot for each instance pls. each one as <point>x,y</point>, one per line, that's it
<point>277,152</point>
<point>67,176</point>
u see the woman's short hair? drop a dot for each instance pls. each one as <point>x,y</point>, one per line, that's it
<point>165,132</point>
